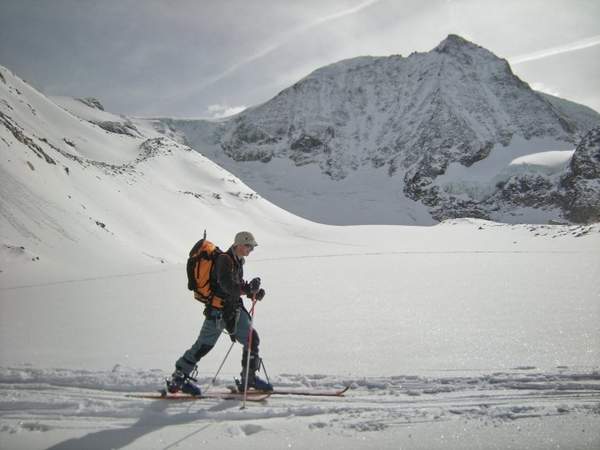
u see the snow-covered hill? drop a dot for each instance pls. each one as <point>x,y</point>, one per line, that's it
<point>371,135</point>
<point>81,186</point>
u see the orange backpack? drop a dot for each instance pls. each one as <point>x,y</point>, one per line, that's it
<point>199,269</point>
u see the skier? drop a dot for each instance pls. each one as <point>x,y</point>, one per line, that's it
<point>225,312</point>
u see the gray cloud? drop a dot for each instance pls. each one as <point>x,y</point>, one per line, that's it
<point>179,57</point>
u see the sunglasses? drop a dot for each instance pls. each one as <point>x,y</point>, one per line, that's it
<point>249,246</point>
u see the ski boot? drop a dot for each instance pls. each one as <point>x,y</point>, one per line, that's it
<point>254,381</point>
<point>184,383</point>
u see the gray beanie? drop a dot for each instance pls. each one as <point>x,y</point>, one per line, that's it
<point>245,238</point>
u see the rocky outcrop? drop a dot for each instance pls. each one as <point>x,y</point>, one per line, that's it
<point>127,128</point>
<point>582,182</point>
<point>575,191</point>
<point>92,102</point>
<point>585,163</point>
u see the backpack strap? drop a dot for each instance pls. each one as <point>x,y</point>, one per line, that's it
<point>214,301</point>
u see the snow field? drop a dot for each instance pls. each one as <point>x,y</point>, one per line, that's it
<point>362,301</point>
<point>469,334</point>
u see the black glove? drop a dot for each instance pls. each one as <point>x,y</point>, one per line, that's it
<point>254,285</point>
<point>260,294</point>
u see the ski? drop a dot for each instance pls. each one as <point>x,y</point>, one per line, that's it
<point>312,392</point>
<point>299,391</point>
<point>252,396</point>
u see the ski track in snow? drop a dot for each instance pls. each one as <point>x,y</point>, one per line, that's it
<point>39,399</point>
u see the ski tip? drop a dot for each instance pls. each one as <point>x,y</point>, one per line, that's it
<point>313,392</point>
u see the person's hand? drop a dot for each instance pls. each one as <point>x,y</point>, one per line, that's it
<point>260,294</point>
<point>254,285</point>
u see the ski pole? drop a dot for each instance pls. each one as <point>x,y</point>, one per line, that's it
<point>231,335</point>
<point>249,351</point>
<point>222,363</point>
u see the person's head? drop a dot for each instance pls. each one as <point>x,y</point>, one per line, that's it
<point>244,243</point>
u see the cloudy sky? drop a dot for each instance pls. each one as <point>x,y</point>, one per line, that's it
<point>209,58</point>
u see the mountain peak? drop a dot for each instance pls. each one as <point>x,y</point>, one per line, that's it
<point>454,43</point>
<point>414,119</point>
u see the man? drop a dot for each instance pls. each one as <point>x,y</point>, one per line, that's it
<point>225,311</point>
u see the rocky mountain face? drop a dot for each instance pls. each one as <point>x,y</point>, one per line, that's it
<point>453,103</point>
<point>574,191</point>
<point>410,118</point>
<point>581,184</point>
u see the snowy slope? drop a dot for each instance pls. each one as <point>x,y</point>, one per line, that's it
<point>370,135</point>
<point>68,184</point>
<point>468,334</point>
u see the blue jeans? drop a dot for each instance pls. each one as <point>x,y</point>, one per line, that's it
<point>210,332</point>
